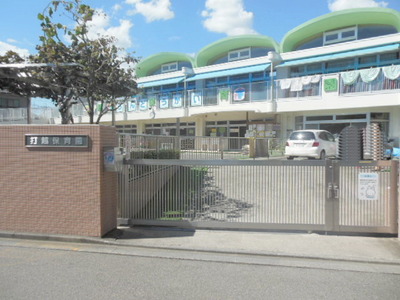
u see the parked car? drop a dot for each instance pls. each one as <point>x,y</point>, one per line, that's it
<point>311,144</point>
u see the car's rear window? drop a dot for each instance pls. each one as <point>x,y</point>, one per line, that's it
<point>304,136</point>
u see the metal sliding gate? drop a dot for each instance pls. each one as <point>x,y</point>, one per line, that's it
<point>334,196</point>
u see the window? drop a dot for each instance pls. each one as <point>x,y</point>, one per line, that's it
<point>239,54</point>
<point>171,67</point>
<point>338,36</point>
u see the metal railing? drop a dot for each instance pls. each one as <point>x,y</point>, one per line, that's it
<point>200,147</point>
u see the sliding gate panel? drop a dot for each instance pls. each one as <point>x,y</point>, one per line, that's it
<point>226,194</point>
<point>335,196</point>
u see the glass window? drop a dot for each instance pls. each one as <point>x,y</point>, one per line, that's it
<point>380,116</point>
<point>368,60</point>
<point>341,35</point>
<point>319,118</point>
<point>351,117</point>
<point>331,37</point>
<point>171,67</point>
<point>311,43</point>
<point>302,136</point>
<point>239,54</point>
<point>368,31</point>
<point>340,65</point>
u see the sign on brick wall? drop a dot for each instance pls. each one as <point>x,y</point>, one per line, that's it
<point>57,141</point>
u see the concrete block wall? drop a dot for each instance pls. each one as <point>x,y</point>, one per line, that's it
<point>57,190</point>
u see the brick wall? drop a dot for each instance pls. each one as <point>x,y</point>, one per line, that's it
<point>57,190</point>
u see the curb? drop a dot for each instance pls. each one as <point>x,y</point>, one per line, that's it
<point>99,241</point>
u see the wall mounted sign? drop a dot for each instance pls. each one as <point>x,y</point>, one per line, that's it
<point>56,141</point>
<point>331,85</point>
<point>368,186</point>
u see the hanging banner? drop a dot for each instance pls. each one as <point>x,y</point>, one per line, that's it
<point>177,100</point>
<point>152,101</point>
<point>121,108</point>
<point>195,99</point>
<point>132,106</point>
<point>239,94</point>
<point>223,95</point>
<point>143,104</point>
<point>164,101</point>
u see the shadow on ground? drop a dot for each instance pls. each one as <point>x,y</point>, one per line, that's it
<point>149,232</point>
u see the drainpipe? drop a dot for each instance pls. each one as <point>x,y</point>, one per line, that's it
<point>275,59</point>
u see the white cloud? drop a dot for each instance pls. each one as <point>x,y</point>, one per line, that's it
<point>152,10</point>
<point>335,5</point>
<point>100,25</point>
<point>228,16</point>
<point>4,47</point>
<point>116,7</point>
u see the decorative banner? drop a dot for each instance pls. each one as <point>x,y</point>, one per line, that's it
<point>368,186</point>
<point>121,108</point>
<point>196,99</point>
<point>164,101</point>
<point>152,101</point>
<point>330,85</point>
<point>143,104</point>
<point>177,100</point>
<point>223,94</point>
<point>132,105</point>
<point>239,94</point>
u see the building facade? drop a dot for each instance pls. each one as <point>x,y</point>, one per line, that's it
<point>337,70</point>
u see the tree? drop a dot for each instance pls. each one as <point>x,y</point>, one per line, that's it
<point>103,76</point>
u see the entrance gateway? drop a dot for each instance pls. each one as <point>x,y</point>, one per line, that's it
<point>327,196</point>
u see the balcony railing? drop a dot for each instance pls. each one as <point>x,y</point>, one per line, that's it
<point>300,87</point>
<point>370,80</point>
<point>13,115</point>
<point>288,89</point>
<point>233,94</point>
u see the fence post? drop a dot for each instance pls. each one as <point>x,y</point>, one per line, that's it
<point>221,145</point>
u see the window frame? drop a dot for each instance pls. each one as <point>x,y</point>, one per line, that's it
<point>340,37</point>
<point>238,53</point>
<point>170,67</point>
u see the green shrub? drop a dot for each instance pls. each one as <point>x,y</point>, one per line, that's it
<point>154,154</point>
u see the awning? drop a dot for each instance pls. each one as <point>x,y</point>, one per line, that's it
<point>230,72</point>
<point>346,54</point>
<point>161,82</point>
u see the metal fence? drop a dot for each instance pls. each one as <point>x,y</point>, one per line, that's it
<point>260,194</point>
<point>184,147</point>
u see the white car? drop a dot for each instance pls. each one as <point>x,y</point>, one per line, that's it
<point>311,144</point>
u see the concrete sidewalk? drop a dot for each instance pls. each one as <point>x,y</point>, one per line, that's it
<point>301,245</point>
<point>384,250</point>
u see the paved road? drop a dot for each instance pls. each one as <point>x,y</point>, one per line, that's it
<point>54,270</point>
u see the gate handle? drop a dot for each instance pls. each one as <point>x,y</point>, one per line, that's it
<point>333,191</point>
<point>336,191</point>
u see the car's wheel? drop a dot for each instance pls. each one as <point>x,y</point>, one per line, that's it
<point>322,155</point>
<point>290,157</point>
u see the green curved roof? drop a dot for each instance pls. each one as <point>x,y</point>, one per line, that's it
<point>231,43</point>
<point>147,65</point>
<point>339,19</point>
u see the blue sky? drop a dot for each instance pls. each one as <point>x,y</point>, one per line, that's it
<point>152,26</point>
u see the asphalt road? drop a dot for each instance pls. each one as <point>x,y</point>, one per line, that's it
<point>52,270</point>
